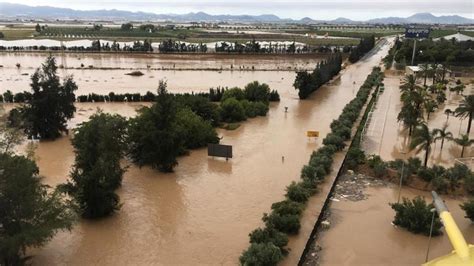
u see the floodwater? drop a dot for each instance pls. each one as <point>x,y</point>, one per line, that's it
<point>202,213</point>
<point>361,232</point>
<point>389,139</point>
<point>184,72</point>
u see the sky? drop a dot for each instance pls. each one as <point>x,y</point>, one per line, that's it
<point>316,9</point>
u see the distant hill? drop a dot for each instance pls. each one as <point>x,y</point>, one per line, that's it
<point>11,11</point>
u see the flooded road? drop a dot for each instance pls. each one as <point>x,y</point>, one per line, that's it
<point>371,239</point>
<point>202,213</point>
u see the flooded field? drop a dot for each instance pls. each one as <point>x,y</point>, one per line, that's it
<point>371,239</point>
<point>202,213</point>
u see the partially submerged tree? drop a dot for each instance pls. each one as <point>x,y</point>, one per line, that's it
<point>422,139</point>
<point>51,104</point>
<point>30,212</point>
<point>442,134</point>
<point>464,142</point>
<point>466,110</point>
<point>99,146</point>
<point>415,216</point>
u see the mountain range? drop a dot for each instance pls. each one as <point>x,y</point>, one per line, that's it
<point>13,11</point>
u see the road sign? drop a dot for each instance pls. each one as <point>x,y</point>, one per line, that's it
<point>312,133</point>
<point>418,33</point>
<point>219,150</point>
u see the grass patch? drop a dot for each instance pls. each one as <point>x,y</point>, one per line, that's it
<point>18,33</point>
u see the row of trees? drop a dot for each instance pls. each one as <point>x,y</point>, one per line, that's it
<point>96,46</point>
<point>365,45</point>
<point>448,52</point>
<point>268,244</point>
<point>306,82</point>
<point>171,46</point>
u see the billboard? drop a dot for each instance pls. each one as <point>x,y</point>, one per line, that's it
<point>312,133</point>
<point>419,33</point>
<point>219,150</point>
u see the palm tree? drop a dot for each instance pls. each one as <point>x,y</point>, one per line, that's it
<point>466,109</point>
<point>448,112</point>
<point>442,134</point>
<point>430,106</point>
<point>422,140</point>
<point>425,70</point>
<point>464,142</point>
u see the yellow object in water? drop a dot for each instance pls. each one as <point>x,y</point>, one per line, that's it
<point>463,254</point>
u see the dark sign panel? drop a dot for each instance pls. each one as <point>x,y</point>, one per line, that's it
<point>417,33</point>
<point>219,150</point>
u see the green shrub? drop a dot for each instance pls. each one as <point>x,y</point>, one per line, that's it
<point>235,92</point>
<point>413,164</point>
<point>296,192</point>
<point>261,254</point>
<point>343,131</point>
<point>256,92</point>
<point>456,174</point>
<point>440,184</point>
<point>469,184</point>
<point>374,160</point>
<point>261,108</point>
<point>327,150</point>
<point>468,207</point>
<point>194,130</point>
<point>354,157</point>
<point>415,216</point>
<point>336,140</point>
<point>231,110</point>
<point>270,235</point>
<point>289,223</point>
<point>286,207</point>
<point>249,108</point>
<point>380,169</point>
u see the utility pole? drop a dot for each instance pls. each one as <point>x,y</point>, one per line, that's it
<point>414,50</point>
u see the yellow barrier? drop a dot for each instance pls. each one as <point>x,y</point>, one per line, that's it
<point>312,133</point>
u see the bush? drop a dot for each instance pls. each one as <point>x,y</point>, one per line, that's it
<point>457,173</point>
<point>289,223</point>
<point>415,216</point>
<point>380,169</point>
<point>256,92</point>
<point>269,235</point>
<point>374,160</point>
<point>440,184</point>
<point>193,130</point>
<point>274,96</point>
<point>261,108</point>
<point>469,184</point>
<point>232,111</point>
<point>249,108</point>
<point>355,157</point>
<point>296,192</point>
<point>261,254</point>
<point>236,93</point>
<point>287,207</point>
<point>468,207</point>
<point>336,140</point>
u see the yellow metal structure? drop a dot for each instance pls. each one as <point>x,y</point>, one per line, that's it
<point>463,254</point>
<point>312,133</point>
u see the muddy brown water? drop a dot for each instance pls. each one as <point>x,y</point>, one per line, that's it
<point>202,213</point>
<point>361,232</point>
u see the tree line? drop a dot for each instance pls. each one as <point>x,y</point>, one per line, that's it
<point>268,244</point>
<point>96,46</point>
<point>365,45</point>
<point>306,82</point>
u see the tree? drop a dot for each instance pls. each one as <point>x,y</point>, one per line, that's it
<point>51,104</point>
<point>466,110</point>
<point>38,27</point>
<point>153,137</point>
<point>422,139</point>
<point>30,212</point>
<point>232,111</point>
<point>256,92</point>
<point>415,216</point>
<point>448,112</point>
<point>430,106</point>
<point>464,142</point>
<point>194,131</point>
<point>442,134</point>
<point>468,207</point>
<point>99,145</point>
<point>261,254</point>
